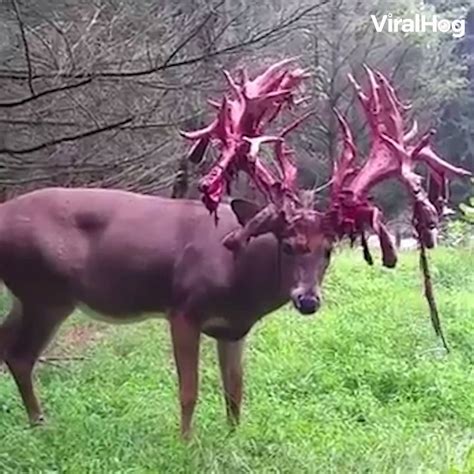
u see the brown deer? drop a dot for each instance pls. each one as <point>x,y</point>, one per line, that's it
<point>126,256</point>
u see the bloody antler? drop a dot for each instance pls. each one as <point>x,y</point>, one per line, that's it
<point>391,156</point>
<point>238,131</point>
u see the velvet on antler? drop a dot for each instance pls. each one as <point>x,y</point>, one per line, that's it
<point>393,154</point>
<point>239,132</point>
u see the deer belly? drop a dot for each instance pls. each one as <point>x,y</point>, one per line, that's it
<point>224,329</point>
<point>117,318</point>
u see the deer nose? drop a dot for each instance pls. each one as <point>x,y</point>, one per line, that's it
<point>307,304</point>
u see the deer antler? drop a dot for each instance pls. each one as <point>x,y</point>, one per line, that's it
<point>390,157</point>
<point>238,130</point>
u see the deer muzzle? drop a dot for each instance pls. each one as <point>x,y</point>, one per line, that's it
<point>306,303</point>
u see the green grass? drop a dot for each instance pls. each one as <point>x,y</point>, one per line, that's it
<point>362,387</point>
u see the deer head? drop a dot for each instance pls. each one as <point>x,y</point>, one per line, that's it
<point>238,131</point>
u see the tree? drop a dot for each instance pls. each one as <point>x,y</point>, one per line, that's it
<point>92,94</point>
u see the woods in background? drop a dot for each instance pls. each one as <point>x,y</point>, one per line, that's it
<point>93,93</point>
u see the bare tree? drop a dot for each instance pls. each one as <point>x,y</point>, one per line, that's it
<point>92,94</point>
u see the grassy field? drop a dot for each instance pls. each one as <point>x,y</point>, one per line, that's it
<point>362,387</point>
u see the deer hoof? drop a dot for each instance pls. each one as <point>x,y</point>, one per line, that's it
<point>38,420</point>
<point>186,436</point>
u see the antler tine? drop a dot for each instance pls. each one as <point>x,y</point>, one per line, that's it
<point>424,153</point>
<point>425,140</point>
<point>357,86</point>
<point>256,142</point>
<point>391,117</point>
<point>266,80</point>
<point>367,101</point>
<point>244,75</point>
<point>391,90</point>
<point>288,171</point>
<point>264,178</point>
<point>411,134</point>
<point>244,80</point>
<point>276,67</point>
<point>214,103</point>
<point>436,163</point>
<point>349,151</point>
<point>233,85</point>
<point>374,91</point>
<point>302,100</point>
<point>223,125</point>
<point>197,134</point>
<point>343,166</point>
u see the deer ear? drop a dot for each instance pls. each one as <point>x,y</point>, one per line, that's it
<point>244,210</point>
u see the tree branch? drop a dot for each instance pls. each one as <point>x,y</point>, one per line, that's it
<point>25,45</point>
<point>78,136</point>
<point>192,35</point>
<point>25,100</point>
<point>254,39</point>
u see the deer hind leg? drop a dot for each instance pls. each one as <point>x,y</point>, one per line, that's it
<point>9,326</point>
<point>34,328</point>
<point>186,338</point>
<point>230,362</point>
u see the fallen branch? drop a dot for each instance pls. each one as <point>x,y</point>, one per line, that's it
<point>56,361</point>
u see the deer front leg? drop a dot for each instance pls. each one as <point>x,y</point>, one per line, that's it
<point>230,362</point>
<point>186,337</point>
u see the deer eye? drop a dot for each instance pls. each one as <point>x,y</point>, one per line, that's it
<point>287,248</point>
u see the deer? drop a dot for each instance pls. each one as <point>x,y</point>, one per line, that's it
<point>214,269</point>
